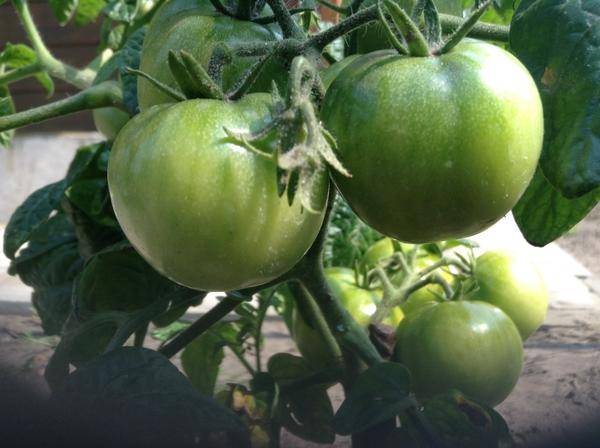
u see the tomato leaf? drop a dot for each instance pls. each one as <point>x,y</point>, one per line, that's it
<point>379,394</point>
<point>63,10</point>
<point>559,42</point>
<point>460,421</point>
<point>543,214</point>
<point>122,10</point>
<point>306,412</point>
<point>130,58</point>
<point>49,264</point>
<point>30,215</point>
<point>201,359</point>
<point>20,55</point>
<point>145,401</point>
<point>118,279</point>
<point>88,11</point>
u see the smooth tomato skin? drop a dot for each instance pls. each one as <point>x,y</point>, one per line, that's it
<point>199,34</point>
<point>360,303</point>
<point>514,285</point>
<point>466,345</point>
<point>438,147</point>
<point>109,121</point>
<point>200,209</point>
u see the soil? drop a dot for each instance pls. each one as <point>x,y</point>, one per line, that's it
<point>583,242</point>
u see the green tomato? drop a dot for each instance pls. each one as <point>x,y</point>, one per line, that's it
<point>200,209</point>
<point>438,147</point>
<point>514,285</point>
<point>199,33</point>
<point>109,121</point>
<point>360,303</point>
<point>466,345</point>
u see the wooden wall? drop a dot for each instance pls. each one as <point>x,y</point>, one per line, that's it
<point>75,45</point>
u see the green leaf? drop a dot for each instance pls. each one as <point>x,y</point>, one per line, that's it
<point>50,264</point>
<point>543,214</point>
<point>559,42</point>
<point>379,394</point>
<point>118,279</point>
<point>201,359</point>
<point>20,55</point>
<point>306,413</point>
<point>30,215</point>
<point>169,331</point>
<point>7,107</point>
<point>122,10</point>
<point>460,421</point>
<point>146,401</point>
<point>63,10</point>
<point>91,196</point>
<point>88,11</point>
<point>130,58</point>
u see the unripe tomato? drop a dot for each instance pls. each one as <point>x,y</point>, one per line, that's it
<point>360,303</point>
<point>109,121</point>
<point>514,285</point>
<point>439,147</point>
<point>199,31</point>
<point>466,345</point>
<point>200,209</point>
<point>331,72</point>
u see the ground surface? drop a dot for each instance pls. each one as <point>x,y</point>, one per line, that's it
<point>558,389</point>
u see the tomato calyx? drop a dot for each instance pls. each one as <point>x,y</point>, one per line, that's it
<point>414,42</point>
<point>304,147</point>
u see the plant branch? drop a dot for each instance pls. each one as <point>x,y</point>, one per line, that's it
<point>307,303</point>
<point>309,272</point>
<point>55,68</point>
<point>106,94</point>
<point>20,73</point>
<point>285,20</point>
<point>219,311</point>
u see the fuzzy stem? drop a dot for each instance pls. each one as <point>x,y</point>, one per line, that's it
<point>417,45</point>
<point>463,29</point>
<point>285,20</point>
<point>20,73</point>
<point>203,323</point>
<point>55,68</point>
<point>307,303</point>
<point>106,94</point>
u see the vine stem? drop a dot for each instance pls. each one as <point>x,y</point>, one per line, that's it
<point>218,312</point>
<point>55,68</point>
<point>20,73</point>
<point>106,94</point>
<point>288,26</point>
<point>307,303</point>
<point>309,272</point>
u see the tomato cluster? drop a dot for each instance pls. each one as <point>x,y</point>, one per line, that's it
<point>437,147</point>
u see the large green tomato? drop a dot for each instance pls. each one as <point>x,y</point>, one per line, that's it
<point>199,32</point>
<point>199,208</point>
<point>515,286</point>
<point>466,345</point>
<point>438,147</point>
<point>360,303</point>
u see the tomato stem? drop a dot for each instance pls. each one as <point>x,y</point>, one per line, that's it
<point>464,29</point>
<point>288,26</point>
<point>20,73</point>
<point>106,94</point>
<point>416,42</point>
<point>306,302</point>
<point>55,68</point>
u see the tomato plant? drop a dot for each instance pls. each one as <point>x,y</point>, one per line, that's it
<point>431,124</point>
